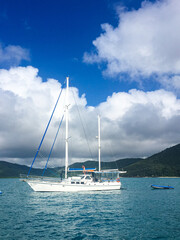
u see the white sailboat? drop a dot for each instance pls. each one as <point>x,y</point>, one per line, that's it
<point>96,181</point>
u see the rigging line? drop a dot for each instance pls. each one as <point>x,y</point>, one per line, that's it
<point>41,155</point>
<point>82,125</point>
<point>113,155</point>
<point>111,151</point>
<point>50,164</point>
<point>46,129</point>
<point>53,172</point>
<point>53,145</point>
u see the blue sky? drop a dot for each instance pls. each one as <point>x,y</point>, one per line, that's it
<point>123,60</point>
<point>58,33</point>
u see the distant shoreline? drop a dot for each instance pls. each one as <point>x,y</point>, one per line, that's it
<point>150,177</point>
<point>120,177</point>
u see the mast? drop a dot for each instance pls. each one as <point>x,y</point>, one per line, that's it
<point>67,118</point>
<point>99,143</point>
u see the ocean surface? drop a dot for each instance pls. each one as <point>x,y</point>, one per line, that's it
<point>135,212</point>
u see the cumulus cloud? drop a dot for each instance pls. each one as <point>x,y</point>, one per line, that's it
<point>170,82</point>
<point>133,124</point>
<point>26,103</point>
<point>142,121</point>
<point>12,55</point>
<point>145,42</point>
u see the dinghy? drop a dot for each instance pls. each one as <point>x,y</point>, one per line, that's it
<point>161,187</point>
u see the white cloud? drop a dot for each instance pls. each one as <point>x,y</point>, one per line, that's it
<point>145,42</point>
<point>170,82</point>
<point>12,55</point>
<point>134,124</point>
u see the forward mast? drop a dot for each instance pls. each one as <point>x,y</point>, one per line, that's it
<point>67,122</point>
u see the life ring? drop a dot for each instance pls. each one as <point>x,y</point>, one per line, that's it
<point>118,180</point>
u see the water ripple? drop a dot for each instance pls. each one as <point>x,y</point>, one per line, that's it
<point>137,212</point>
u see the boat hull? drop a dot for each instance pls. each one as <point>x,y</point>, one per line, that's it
<point>161,187</point>
<point>42,186</point>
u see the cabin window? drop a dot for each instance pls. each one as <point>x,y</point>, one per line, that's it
<point>105,176</point>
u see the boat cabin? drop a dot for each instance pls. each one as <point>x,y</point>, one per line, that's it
<point>81,179</point>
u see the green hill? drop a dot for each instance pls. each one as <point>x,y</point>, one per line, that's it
<point>165,163</point>
<point>119,164</point>
<point>13,170</point>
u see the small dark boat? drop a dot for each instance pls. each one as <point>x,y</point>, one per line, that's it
<point>161,187</point>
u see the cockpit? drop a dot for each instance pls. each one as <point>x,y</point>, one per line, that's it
<point>105,176</point>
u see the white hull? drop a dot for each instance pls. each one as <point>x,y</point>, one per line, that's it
<point>44,186</point>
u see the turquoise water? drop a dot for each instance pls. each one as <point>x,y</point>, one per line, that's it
<point>135,212</point>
